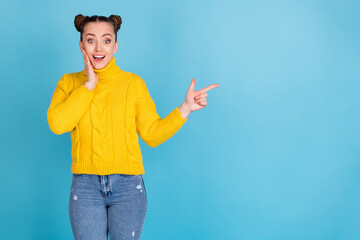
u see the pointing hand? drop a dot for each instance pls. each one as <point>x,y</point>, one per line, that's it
<point>195,100</point>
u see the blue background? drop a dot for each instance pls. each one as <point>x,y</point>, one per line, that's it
<point>274,155</point>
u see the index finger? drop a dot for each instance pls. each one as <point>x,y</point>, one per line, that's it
<point>83,52</point>
<point>85,56</point>
<point>208,88</point>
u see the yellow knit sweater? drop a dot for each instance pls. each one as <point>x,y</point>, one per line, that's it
<point>105,122</point>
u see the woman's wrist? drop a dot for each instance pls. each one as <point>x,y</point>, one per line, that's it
<point>185,110</point>
<point>90,86</point>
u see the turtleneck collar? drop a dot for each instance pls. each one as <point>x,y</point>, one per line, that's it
<point>110,69</point>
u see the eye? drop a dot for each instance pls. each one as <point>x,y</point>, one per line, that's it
<point>107,41</point>
<point>90,40</point>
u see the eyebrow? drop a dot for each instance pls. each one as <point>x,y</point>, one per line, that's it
<point>102,35</point>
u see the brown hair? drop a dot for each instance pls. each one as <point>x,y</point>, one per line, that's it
<point>80,21</point>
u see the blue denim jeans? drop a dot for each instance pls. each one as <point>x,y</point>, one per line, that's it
<point>107,205</point>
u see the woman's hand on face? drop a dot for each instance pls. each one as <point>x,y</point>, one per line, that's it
<point>92,78</point>
<point>195,100</point>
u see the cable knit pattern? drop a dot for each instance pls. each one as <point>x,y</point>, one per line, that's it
<point>100,114</point>
<point>105,122</point>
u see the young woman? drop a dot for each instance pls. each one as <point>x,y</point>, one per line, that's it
<point>105,108</point>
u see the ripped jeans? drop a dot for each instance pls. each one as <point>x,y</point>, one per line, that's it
<point>102,205</point>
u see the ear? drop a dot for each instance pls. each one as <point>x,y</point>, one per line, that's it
<point>80,44</point>
<point>116,47</point>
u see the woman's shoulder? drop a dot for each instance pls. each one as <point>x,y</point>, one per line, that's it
<point>66,78</point>
<point>133,78</point>
<point>130,75</point>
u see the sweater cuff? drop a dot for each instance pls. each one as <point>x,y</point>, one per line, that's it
<point>178,119</point>
<point>84,92</point>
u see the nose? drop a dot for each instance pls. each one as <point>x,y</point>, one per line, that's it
<point>98,47</point>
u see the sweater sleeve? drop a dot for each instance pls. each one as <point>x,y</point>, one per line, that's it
<point>151,128</point>
<point>68,105</point>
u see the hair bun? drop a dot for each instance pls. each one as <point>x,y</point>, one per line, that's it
<point>117,20</point>
<point>79,22</point>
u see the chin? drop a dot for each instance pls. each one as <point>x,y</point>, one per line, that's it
<point>100,65</point>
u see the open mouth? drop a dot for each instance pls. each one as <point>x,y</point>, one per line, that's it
<point>98,58</point>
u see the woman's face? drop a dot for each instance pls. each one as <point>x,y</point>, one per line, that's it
<point>99,43</point>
